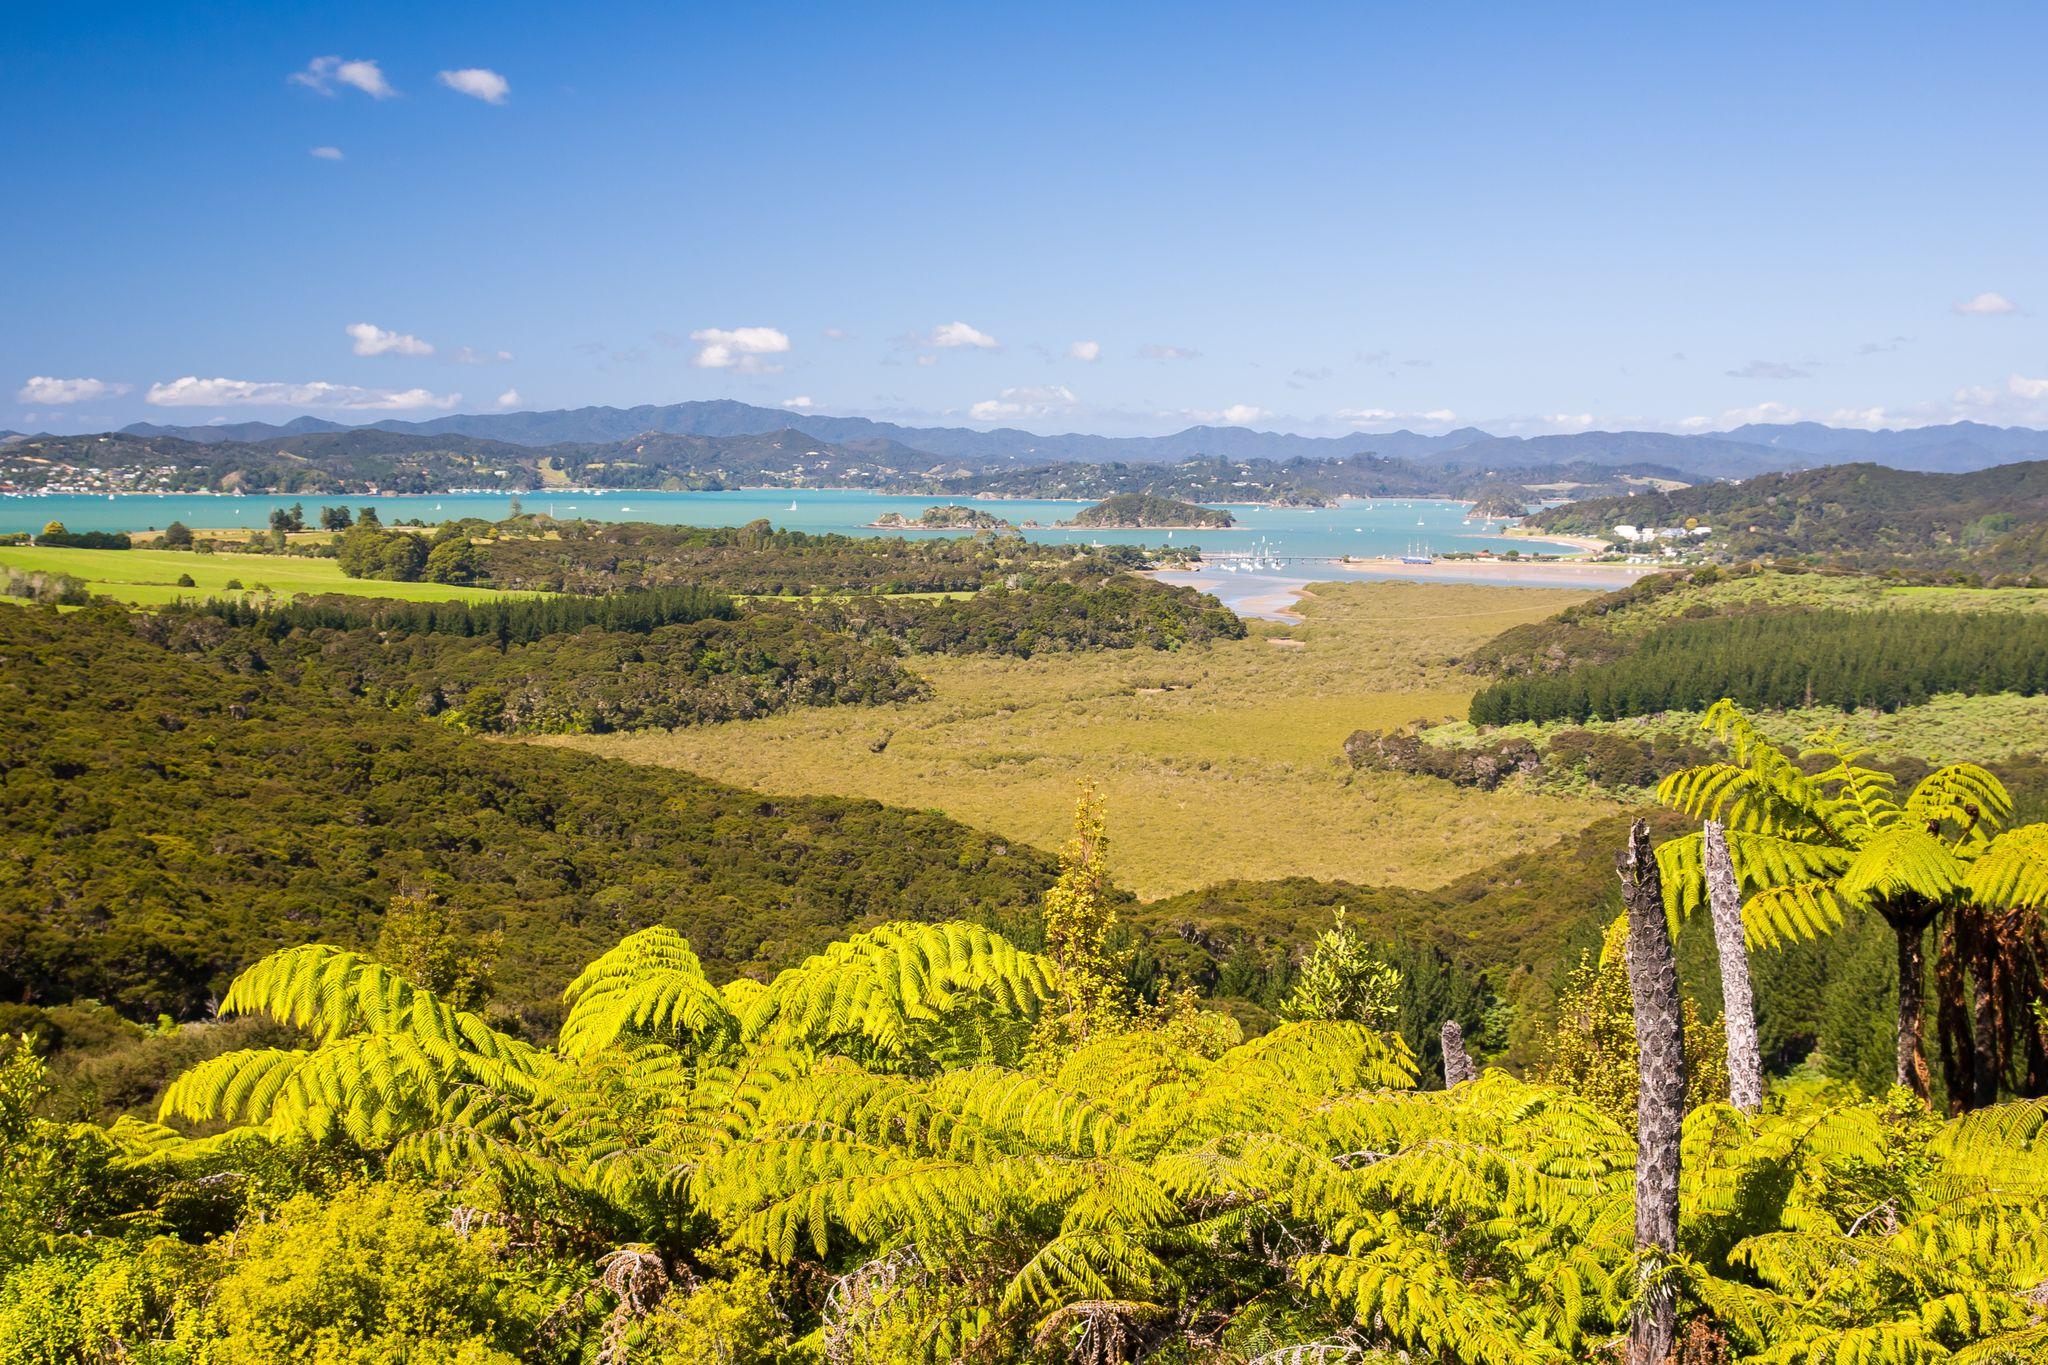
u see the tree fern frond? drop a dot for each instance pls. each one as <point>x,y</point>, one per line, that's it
<point>1962,794</point>
<point>1084,1265</point>
<point>1787,914</point>
<point>2012,873</point>
<point>1902,860</point>
<point>873,989</point>
<point>333,993</point>
<point>650,983</point>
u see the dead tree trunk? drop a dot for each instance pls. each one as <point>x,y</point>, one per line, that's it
<point>1738,1005</point>
<point>1458,1066</point>
<point>1911,1068</point>
<point>1660,1105</point>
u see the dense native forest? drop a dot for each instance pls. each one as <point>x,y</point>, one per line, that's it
<point>1143,509</point>
<point>340,1032</point>
<point>656,650</point>
<point>1991,525</point>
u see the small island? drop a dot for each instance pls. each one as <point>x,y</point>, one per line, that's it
<point>947,517</point>
<point>1143,512</point>
<point>1496,506</point>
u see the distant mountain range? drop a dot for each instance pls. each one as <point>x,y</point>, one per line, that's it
<point>363,459</point>
<point>1741,453</point>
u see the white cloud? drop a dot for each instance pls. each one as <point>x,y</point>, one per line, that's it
<point>194,392</point>
<point>324,73</point>
<point>370,339</point>
<point>1239,414</point>
<point>1986,305</point>
<point>478,82</point>
<point>1868,419</point>
<point>927,359</point>
<point>1770,369</point>
<point>509,399</point>
<point>1090,351</point>
<point>801,403</point>
<point>469,355</point>
<point>1156,352</point>
<point>326,153</point>
<point>957,334</point>
<point>1384,417</point>
<point>44,388</point>
<point>1025,402</point>
<point>2016,399</point>
<point>739,349</point>
<point>1761,413</point>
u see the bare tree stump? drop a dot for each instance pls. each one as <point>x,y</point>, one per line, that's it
<point>1738,1004</point>
<point>1458,1066</point>
<point>1660,1106</point>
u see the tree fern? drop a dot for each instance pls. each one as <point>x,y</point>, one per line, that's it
<point>652,984</point>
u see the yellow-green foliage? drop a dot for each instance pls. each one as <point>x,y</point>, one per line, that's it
<point>108,1300</point>
<point>1344,978</point>
<point>1593,1051</point>
<point>1221,760</point>
<point>736,1320</point>
<point>1805,845</point>
<point>1135,1188</point>
<point>372,1275</point>
<point>1773,591</point>
<point>150,577</point>
<point>1079,915</point>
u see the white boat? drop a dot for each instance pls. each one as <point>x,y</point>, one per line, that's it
<point>792,504</point>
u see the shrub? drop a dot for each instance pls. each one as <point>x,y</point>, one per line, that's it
<point>372,1274</point>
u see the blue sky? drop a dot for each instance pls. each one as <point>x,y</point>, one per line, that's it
<point>1299,217</point>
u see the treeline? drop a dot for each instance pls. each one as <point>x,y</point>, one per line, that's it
<point>38,585</point>
<point>511,621</point>
<point>1882,660</point>
<point>755,559</point>
<point>1083,611</point>
<point>579,679</point>
<point>54,536</point>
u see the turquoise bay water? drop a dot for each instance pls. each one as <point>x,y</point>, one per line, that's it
<point>1384,527</point>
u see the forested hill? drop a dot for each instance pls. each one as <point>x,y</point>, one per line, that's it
<point>1858,515</point>
<point>165,823</point>
<point>1127,510</point>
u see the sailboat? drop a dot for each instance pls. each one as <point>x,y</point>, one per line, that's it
<point>792,504</point>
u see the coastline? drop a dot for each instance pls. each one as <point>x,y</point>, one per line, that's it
<point>1071,526</point>
<point>1590,544</point>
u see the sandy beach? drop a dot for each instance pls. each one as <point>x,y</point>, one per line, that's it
<point>1590,544</point>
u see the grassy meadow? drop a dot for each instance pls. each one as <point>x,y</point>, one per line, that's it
<point>1961,729</point>
<point>150,577</point>
<point>1814,591</point>
<point>1219,761</point>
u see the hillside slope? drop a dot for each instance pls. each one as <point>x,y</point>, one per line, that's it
<point>1858,515</point>
<point>164,823</point>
